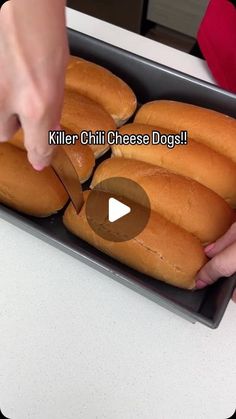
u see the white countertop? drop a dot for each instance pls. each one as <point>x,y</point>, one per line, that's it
<point>77,345</point>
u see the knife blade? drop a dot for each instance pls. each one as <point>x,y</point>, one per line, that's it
<point>66,172</point>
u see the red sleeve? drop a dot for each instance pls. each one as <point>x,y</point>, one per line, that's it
<point>217,41</point>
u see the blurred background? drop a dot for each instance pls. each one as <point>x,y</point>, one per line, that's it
<point>171,22</point>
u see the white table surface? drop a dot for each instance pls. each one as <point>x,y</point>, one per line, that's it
<point>77,345</point>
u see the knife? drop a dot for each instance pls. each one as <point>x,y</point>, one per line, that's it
<point>66,172</point>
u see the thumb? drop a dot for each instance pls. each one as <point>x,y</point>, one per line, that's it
<point>226,240</point>
<point>222,265</point>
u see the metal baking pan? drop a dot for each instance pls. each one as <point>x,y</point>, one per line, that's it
<point>149,81</point>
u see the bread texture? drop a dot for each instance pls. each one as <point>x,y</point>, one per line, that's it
<point>208,127</point>
<point>22,188</point>
<point>194,160</point>
<point>18,139</point>
<point>82,159</point>
<point>81,156</point>
<point>102,86</point>
<point>174,261</point>
<point>83,114</point>
<point>180,200</point>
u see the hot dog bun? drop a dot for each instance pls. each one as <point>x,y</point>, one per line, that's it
<point>194,160</point>
<point>174,261</point>
<point>100,85</point>
<point>81,156</point>
<point>183,201</point>
<point>22,188</point>
<point>213,129</point>
<point>83,114</point>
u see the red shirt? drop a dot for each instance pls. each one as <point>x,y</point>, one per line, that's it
<point>217,41</point>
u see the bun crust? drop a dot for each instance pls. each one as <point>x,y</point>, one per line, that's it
<point>100,85</point>
<point>22,188</point>
<point>174,261</point>
<point>180,200</point>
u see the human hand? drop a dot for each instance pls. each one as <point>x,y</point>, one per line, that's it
<point>223,260</point>
<point>33,59</point>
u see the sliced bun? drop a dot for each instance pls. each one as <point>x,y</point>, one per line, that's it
<point>81,156</point>
<point>83,114</point>
<point>22,188</point>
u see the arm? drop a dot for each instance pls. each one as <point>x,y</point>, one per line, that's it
<point>33,58</point>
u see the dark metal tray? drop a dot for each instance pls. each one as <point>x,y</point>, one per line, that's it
<point>149,81</point>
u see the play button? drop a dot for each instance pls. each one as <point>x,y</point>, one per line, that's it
<point>118,209</point>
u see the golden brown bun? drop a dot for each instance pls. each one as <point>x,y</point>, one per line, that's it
<point>183,201</point>
<point>213,129</point>
<point>194,160</point>
<point>163,250</point>
<point>35,193</point>
<point>83,114</point>
<point>18,139</point>
<point>81,156</point>
<point>100,85</point>
<point>82,159</point>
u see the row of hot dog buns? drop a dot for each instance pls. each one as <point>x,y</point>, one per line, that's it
<point>95,99</point>
<point>162,250</point>
<point>191,190</point>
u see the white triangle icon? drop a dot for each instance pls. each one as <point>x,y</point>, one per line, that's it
<point>117,210</point>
